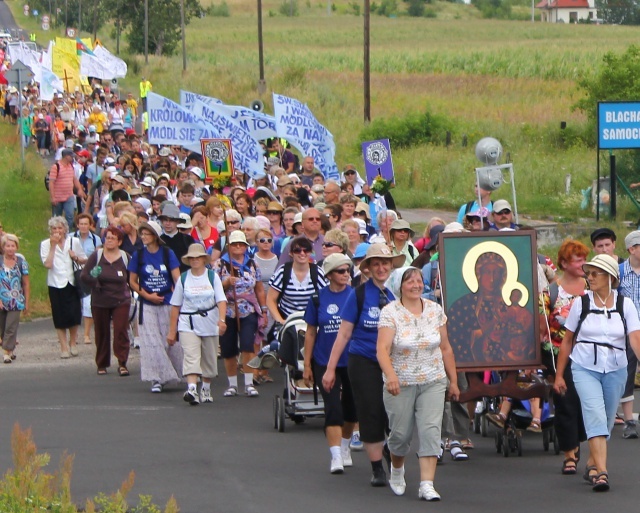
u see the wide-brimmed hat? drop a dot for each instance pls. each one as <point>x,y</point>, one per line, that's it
<point>381,251</point>
<point>186,222</point>
<point>170,211</point>
<point>401,224</point>
<point>334,261</point>
<point>361,206</point>
<point>164,152</point>
<point>238,236</point>
<point>274,205</point>
<point>195,250</point>
<point>153,227</point>
<point>433,236</point>
<point>284,180</point>
<point>608,264</point>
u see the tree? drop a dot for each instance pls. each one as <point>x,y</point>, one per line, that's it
<point>618,12</point>
<point>164,24</point>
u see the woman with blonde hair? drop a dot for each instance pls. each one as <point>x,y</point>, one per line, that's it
<point>15,292</point>
<point>352,230</point>
<point>215,210</point>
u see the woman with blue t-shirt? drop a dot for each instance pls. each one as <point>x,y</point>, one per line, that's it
<point>323,317</point>
<point>359,329</point>
<point>152,276</point>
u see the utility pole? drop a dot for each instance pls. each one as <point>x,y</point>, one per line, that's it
<point>367,81</point>
<point>146,31</point>
<point>95,19</point>
<point>262,85</point>
<point>79,16</point>
<point>184,45</point>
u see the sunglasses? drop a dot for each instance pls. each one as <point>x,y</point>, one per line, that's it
<point>312,219</point>
<point>363,214</point>
<point>273,212</point>
<point>233,222</point>
<point>347,173</point>
<point>341,271</point>
<point>263,240</point>
<point>503,212</point>
<point>593,273</point>
<point>297,251</point>
<point>403,230</point>
<point>329,245</point>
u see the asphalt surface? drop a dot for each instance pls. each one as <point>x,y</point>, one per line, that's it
<point>7,21</point>
<point>226,456</point>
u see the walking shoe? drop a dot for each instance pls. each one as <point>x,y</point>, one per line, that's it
<point>356,444</point>
<point>136,342</point>
<point>397,482</point>
<point>74,351</point>
<point>379,477</point>
<point>428,493</point>
<point>337,465</point>
<point>205,395</point>
<point>156,388</point>
<point>346,458</point>
<point>191,397</point>
<point>630,430</point>
<point>250,391</point>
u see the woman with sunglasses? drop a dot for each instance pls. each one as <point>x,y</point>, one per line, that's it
<point>358,334</point>
<point>267,261</point>
<point>400,235</point>
<point>323,322</point>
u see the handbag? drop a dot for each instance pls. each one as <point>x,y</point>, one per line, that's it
<point>82,290</point>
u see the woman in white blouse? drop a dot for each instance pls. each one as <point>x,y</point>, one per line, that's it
<point>596,344</point>
<point>416,359</point>
<point>58,253</point>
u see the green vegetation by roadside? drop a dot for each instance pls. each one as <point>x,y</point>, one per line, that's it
<point>25,209</point>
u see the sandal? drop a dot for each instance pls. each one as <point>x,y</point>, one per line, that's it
<point>457,454</point>
<point>7,358</point>
<point>587,476</point>
<point>467,444</point>
<point>123,371</point>
<point>619,421</point>
<point>601,482</point>
<point>570,467</point>
<point>250,391</point>
<point>497,419</point>
<point>102,372</point>
<point>230,392</point>
<point>534,426</point>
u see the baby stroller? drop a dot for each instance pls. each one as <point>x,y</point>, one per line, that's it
<point>298,401</point>
<point>484,406</point>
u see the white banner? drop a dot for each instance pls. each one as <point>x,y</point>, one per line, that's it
<point>21,52</point>
<point>297,124</point>
<point>49,84</point>
<point>169,123</point>
<point>115,64</point>
<point>248,155</point>
<point>260,125</point>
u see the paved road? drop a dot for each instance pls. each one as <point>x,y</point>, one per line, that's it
<point>227,457</point>
<point>7,21</point>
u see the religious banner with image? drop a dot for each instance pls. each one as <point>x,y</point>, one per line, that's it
<point>490,296</point>
<point>218,161</point>
<point>378,163</point>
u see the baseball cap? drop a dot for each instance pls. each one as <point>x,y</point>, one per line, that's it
<point>500,205</point>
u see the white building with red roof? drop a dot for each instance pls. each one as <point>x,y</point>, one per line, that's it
<point>567,11</point>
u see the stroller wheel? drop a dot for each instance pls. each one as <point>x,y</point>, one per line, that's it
<point>505,445</point>
<point>519,443</point>
<point>280,414</point>
<point>545,440</point>
<point>275,412</point>
<point>477,419</point>
<point>498,439</point>
<point>484,426</point>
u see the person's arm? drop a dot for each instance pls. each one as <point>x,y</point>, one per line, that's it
<point>172,334</point>
<point>449,364</point>
<point>309,343</point>
<point>26,289</point>
<point>634,342</point>
<point>272,305</point>
<point>383,350</point>
<point>47,257</point>
<point>342,339</point>
<point>563,359</point>
<point>86,276</point>
<point>78,186</point>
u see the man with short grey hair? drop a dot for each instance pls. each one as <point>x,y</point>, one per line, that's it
<point>331,192</point>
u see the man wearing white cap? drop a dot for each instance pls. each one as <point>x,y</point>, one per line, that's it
<point>630,287</point>
<point>502,216</point>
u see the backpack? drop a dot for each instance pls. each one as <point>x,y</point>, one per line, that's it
<point>95,244</point>
<point>123,254</point>
<point>183,277</point>
<point>47,178</point>
<point>360,292</point>
<point>586,310</point>
<point>286,278</point>
<point>468,207</point>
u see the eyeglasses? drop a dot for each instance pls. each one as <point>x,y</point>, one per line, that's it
<point>341,271</point>
<point>503,212</point>
<point>273,212</point>
<point>593,273</point>
<point>297,251</point>
<point>347,173</point>
<point>263,240</point>
<point>403,230</point>
<point>233,222</point>
<point>363,214</point>
<point>329,245</point>
<point>474,219</point>
<point>312,219</point>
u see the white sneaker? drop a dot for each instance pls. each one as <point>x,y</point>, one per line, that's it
<point>191,397</point>
<point>428,493</point>
<point>136,342</point>
<point>347,461</point>
<point>337,465</point>
<point>356,444</point>
<point>397,482</point>
<point>205,395</point>
<point>156,388</point>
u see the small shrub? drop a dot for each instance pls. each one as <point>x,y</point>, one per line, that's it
<point>416,8</point>
<point>221,11</point>
<point>289,8</point>
<point>414,129</point>
<point>354,6</point>
<point>430,13</point>
<point>387,8</point>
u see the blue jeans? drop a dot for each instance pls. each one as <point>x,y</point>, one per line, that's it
<point>68,207</point>
<point>599,395</point>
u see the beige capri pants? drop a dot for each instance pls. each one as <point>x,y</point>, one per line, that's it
<point>200,354</point>
<point>416,405</point>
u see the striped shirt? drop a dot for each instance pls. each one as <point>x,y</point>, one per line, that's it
<point>63,188</point>
<point>297,293</point>
<point>630,284</point>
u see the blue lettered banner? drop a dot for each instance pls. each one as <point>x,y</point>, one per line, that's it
<point>187,99</point>
<point>169,123</point>
<point>618,125</point>
<point>260,125</point>
<point>297,124</point>
<point>248,155</point>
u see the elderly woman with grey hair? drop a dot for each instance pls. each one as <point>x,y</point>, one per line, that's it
<point>385,218</point>
<point>58,254</point>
